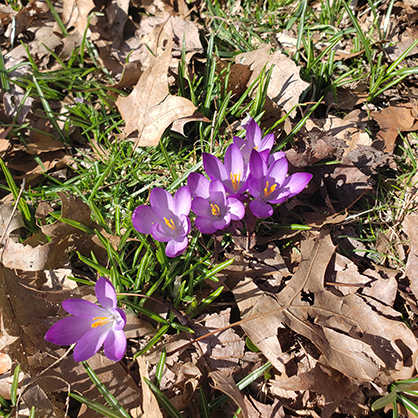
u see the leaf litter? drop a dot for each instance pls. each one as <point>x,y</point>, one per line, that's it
<point>326,327</point>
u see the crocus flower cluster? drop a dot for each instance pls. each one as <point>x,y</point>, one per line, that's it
<point>92,326</point>
<point>248,166</point>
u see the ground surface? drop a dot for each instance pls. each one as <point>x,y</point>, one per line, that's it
<point>104,101</point>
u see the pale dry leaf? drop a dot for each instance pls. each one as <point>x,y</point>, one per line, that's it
<point>12,220</point>
<point>149,402</point>
<point>150,109</point>
<point>5,363</point>
<point>75,14</point>
<point>392,120</point>
<point>24,257</point>
<point>320,379</point>
<point>223,351</point>
<point>260,410</point>
<point>285,86</point>
<point>262,331</point>
<point>410,226</point>
<point>178,125</point>
<point>226,384</point>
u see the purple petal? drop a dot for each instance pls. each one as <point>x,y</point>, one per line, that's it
<point>297,182</point>
<point>159,233</point>
<point>239,142</point>
<point>222,223</point>
<point>233,161</point>
<point>176,246</point>
<point>105,293</point>
<point>82,308</point>
<point>256,188</point>
<point>260,209</point>
<point>68,330</point>
<point>266,143</point>
<point>115,345</point>
<point>90,343</point>
<point>182,201</point>
<point>122,321</point>
<point>278,171</point>
<point>253,134</point>
<point>201,207</point>
<point>162,203</point>
<point>214,168</point>
<point>258,166</point>
<point>143,218</point>
<point>185,225</point>
<point>217,194</point>
<point>205,225</point>
<point>198,185</point>
<point>236,208</point>
<point>274,157</point>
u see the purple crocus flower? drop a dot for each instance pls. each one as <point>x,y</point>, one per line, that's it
<point>167,219</point>
<point>270,184</point>
<point>232,173</point>
<point>213,208</point>
<point>92,326</point>
<point>253,139</point>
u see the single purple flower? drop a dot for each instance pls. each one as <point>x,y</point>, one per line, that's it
<point>232,173</point>
<point>253,139</point>
<point>213,208</point>
<point>167,220</point>
<point>270,184</point>
<point>92,326</point>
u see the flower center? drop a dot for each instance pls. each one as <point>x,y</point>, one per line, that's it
<point>100,321</point>
<point>269,190</point>
<point>215,209</point>
<point>235,180</point>
<point>170,223</point>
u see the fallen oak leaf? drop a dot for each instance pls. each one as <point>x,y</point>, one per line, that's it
<point>226,384</point>
<point>150,109</point>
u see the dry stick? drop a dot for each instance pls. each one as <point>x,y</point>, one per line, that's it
<point>22,187</point>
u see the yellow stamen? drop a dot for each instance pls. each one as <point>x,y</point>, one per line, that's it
<point>256,148</point>
<point>268,191</point>
<point>170,223</point>
<point>100,321</point>
<point>235,179</point>
<point>215,209</point>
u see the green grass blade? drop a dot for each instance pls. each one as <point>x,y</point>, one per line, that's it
<point>116,407</point>
<point>163,400</point>
<point>106,412</point>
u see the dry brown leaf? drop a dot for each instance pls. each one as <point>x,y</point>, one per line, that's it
<point>359,336</point>
<point>226,384</point>
<point>321,379</point>
<point>410,226</point>
<point>130,75</point>
<point>149,402</point>
<point>178,125</point>
<point>260,410</point>
<point>224,351</point>
<point>392,120</point>
<point>24,257</point>
<point>285,85</point>
<point>150,109</point>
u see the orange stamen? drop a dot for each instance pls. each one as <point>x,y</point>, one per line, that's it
<point>269,190</point>
<point>100,321</point>
<point>170,223</point>
<point>215,209</point>
<point>235,179</point>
